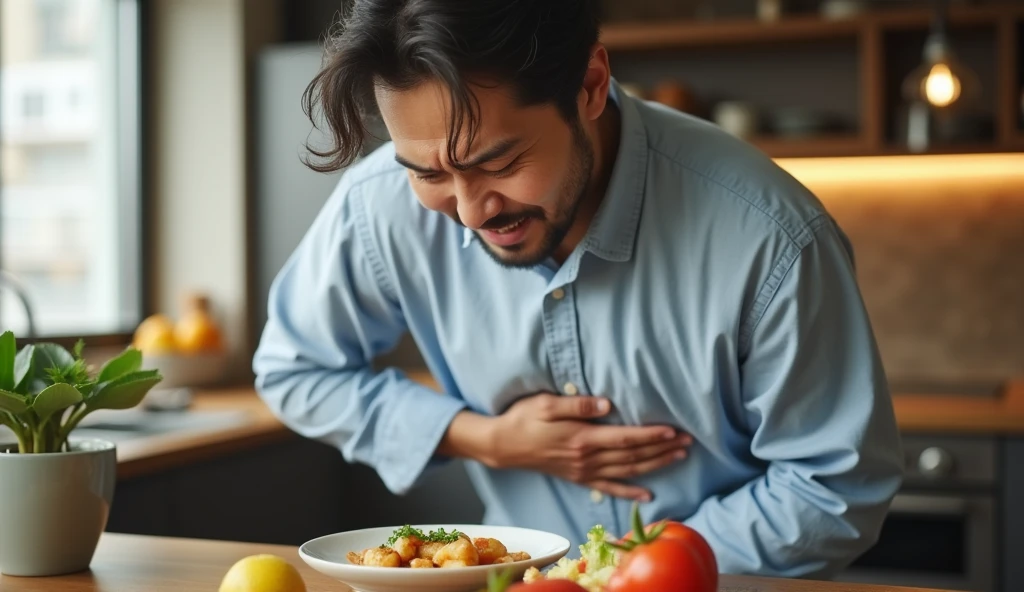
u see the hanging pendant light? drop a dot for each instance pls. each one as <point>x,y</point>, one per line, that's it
<point>940,85</point>
<point>941,80</point>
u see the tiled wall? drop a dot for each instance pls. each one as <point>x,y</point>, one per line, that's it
<point>941,266</point>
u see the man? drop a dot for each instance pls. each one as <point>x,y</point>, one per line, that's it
<point>602,287</point>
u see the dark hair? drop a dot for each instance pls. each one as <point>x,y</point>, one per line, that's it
<point>541,48</point>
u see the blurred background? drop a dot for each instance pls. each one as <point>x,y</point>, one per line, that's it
<point>150,170</point>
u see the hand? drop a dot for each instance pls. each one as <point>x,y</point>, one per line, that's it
<point>552,434</point>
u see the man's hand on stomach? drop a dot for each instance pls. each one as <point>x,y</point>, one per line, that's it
<point>553,434</point>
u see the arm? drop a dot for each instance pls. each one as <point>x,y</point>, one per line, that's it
<point>332,309</point>
<point>818,407</point>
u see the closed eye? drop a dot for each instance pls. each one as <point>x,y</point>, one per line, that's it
<point>506,170</point>
<point>427,177</point>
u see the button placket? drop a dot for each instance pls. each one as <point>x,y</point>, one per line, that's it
<point>563,342</point>
<point>565,356</point>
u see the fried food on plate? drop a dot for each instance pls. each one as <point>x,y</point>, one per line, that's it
<point>410,547</point>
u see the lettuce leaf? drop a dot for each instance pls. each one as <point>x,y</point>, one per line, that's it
<point>598,553</point>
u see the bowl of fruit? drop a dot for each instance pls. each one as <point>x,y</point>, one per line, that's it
<point>189,351</point>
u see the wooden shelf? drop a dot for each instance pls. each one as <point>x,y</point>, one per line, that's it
<point>872,37</point>
<point>959,16</point>
<point>642,36</point>
<point>679,34</point>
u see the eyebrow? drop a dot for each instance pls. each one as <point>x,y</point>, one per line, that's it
<point>494,152</point>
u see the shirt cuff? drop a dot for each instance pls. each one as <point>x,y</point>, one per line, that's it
<point>413,432</point>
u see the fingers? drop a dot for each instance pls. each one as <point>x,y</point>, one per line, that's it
<point>553,407</point>
<point>621,490</point>
<point>674,448</point>
<point>632,469</point>
<point>626,437</point>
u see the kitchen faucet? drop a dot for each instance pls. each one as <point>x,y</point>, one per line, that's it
<point>7,280</point>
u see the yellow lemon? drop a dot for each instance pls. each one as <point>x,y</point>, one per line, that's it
<point>262,573</point>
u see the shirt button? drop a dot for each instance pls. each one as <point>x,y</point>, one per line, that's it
<point>596,496</point>
<point>570,389</point>
<point>558,293</point>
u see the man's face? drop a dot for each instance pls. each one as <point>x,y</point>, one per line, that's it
<point>517,187</point>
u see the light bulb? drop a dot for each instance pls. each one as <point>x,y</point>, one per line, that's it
<point>941,87</point>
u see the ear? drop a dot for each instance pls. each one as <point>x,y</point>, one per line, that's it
<point>596,82</point>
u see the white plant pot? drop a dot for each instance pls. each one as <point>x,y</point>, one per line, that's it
<point>54,507</point>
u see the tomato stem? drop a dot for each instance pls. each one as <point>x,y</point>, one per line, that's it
<point>638,524</point>
<point>639,536</point>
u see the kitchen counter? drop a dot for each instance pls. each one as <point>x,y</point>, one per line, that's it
<point>255,426</point>
<point>920,413</point>
<point>998,414</point>
<point>128,563</point>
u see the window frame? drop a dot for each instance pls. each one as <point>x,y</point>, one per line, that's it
<point>130,54</point>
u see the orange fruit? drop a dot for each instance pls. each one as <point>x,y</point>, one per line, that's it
<point>155,336</point>
<point>196,331</point>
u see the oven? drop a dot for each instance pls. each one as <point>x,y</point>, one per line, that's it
<point>940,531</point>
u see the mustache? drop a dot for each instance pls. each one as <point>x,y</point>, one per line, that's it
<point>505,219</point>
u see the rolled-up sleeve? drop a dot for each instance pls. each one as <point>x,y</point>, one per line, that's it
<point>817,405</point>
<point>332,309</point>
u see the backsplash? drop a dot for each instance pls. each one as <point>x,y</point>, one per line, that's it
<point>941,268</point>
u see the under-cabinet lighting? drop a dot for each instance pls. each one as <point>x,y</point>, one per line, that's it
<point>938,167</point>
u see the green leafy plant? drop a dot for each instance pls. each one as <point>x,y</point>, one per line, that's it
<point>45,390</point>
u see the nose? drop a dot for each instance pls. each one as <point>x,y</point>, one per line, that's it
<point>475,207</point>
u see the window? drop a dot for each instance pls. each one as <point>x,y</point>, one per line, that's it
<point>69,167</point>
<point>32,105</point>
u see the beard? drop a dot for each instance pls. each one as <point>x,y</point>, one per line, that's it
<point>555,228</point>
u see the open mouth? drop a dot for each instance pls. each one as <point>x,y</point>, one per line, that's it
<point>510,227</point>
<point>508,235</point>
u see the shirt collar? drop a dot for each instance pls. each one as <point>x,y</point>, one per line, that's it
<point>612,232</point>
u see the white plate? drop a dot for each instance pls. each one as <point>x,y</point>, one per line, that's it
<point>327,555</point>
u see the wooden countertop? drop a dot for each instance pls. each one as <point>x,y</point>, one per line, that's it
<point>1002,414</point>
<point>129,563</point>
<point>151,454</point>
<point>916,413</point>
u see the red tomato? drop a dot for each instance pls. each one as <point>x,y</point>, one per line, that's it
<point>547,586</point>
<point>665,565</point>
<point>682,532</point>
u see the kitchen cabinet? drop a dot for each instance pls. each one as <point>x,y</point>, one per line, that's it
<point>840,77</point>
<point>1012,524</point>
<point>285,493</point>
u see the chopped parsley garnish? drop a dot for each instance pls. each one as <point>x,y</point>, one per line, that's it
<point>440,536</point>
<point>404,531</point>
<point>435,536</point>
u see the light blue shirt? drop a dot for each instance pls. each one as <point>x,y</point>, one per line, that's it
<point>712,292</point>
